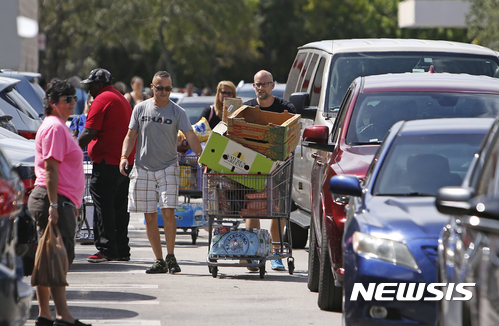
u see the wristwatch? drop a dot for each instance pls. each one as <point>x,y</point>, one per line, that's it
<point>54,205</point>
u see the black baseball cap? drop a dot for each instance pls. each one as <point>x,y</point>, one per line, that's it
<point>98,75</point>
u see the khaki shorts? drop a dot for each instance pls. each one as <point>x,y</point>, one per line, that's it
<point>148,189</point>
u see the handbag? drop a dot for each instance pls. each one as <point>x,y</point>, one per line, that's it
<point>51,259</point>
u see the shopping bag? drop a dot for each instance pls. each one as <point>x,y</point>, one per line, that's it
<point>51,259</point>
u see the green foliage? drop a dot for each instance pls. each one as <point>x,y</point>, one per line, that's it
<point>205,41</point>
<point>483,23</point>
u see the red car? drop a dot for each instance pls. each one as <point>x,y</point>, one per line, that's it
<point>370,107</point>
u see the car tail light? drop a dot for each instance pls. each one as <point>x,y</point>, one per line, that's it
<point>8,199</point>
<point>27,134</point>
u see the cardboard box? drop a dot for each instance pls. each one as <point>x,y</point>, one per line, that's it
<point>274,151</point>
<point>230,106</point>
<point>251,122</point>
<point>226,156</point>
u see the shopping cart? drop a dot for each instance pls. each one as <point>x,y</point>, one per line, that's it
<point>84,232</point>
<point>261,196</point>
<point>189,215</point>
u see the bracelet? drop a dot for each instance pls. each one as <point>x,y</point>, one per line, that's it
<point>54,205</point>
<point>124,158</point>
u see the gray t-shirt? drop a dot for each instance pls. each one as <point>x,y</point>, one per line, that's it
<point>157,133</point>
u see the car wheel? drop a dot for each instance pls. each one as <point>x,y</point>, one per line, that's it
<point>330,296</point>
<point>313,261</point>
<point>299,236</point>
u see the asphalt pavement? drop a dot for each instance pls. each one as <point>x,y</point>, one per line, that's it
<point>121,293</point>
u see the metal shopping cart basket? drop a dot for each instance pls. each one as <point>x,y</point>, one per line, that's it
<point>261,196</point>
<point>84,232</point>
<point>189,215</point>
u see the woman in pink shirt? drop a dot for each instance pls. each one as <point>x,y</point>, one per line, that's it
<point>59,186</point>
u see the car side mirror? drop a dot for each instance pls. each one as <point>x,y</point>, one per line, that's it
<point>301,101</point>
<point>453,200</point>
<point>317,137</point>
<point>346,185</point>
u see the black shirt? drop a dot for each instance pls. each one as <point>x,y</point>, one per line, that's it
<point>214,119</point>
<point>279,105</point>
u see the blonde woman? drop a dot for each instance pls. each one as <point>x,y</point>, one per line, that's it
<point>214,112</point>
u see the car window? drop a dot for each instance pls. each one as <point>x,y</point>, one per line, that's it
<point>294,74</point>
<point>17,101</point>
<point>346,67</point>
<point>419,165</point>
<point>317,86</point>
<point>487,181</point>
<point>303,72</point>
<point>308,73</point>
<point>375,113</point>
<point>342,111</point>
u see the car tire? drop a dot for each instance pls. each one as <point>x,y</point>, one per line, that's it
<point>299,236</point>
<point>330,296</point>
<point>313,261</point>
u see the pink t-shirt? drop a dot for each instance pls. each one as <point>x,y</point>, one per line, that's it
<point>54,140</point>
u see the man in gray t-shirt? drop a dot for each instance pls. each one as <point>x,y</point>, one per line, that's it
<point>155,176</point>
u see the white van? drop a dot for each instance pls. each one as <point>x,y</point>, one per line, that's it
<point>322,72</point>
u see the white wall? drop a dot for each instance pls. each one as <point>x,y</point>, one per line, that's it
<point>429,14</point>
<point>17,53</point>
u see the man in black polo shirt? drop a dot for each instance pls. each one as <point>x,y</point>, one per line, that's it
<point>263,85</point>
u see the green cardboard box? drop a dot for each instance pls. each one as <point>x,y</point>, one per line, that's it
<point>226,156</point>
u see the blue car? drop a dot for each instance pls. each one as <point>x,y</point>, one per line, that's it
<point>392,225</point>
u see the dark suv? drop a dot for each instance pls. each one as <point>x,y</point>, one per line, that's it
<point>468,249</point>
<point>370,107</point>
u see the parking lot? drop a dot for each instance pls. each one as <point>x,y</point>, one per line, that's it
<point>118,293</point>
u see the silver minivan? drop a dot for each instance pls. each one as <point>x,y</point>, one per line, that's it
<point>322,72</point>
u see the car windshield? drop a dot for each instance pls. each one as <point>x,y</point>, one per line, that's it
<point>351,66</point>
<point>375,113</point>
<point>418,165</point>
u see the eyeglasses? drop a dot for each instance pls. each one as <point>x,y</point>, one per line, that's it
<point>70,98</point>
<point>226,93</point>
<point>258,85</point>
<point>163,88</point>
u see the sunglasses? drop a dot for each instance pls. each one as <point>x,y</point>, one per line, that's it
<point>161,88</point>
<point>70,98</point>
<point>226,93</point>
<point>258,85</point>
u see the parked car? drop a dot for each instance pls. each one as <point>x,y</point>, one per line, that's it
<point>244,89</point>
<point>24,117</point>
<point>21,154</point>
<point>468,248</point>
<point>322,72</point>
<point>371,106</point>
<point>194,105</point>
<point>29,89</point>
<point>15,294</point>
<point>392,225</point>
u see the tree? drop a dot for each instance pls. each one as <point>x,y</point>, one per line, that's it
<point>483,23</point>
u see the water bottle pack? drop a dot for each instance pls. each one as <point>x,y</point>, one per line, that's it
<point>240,242</point>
